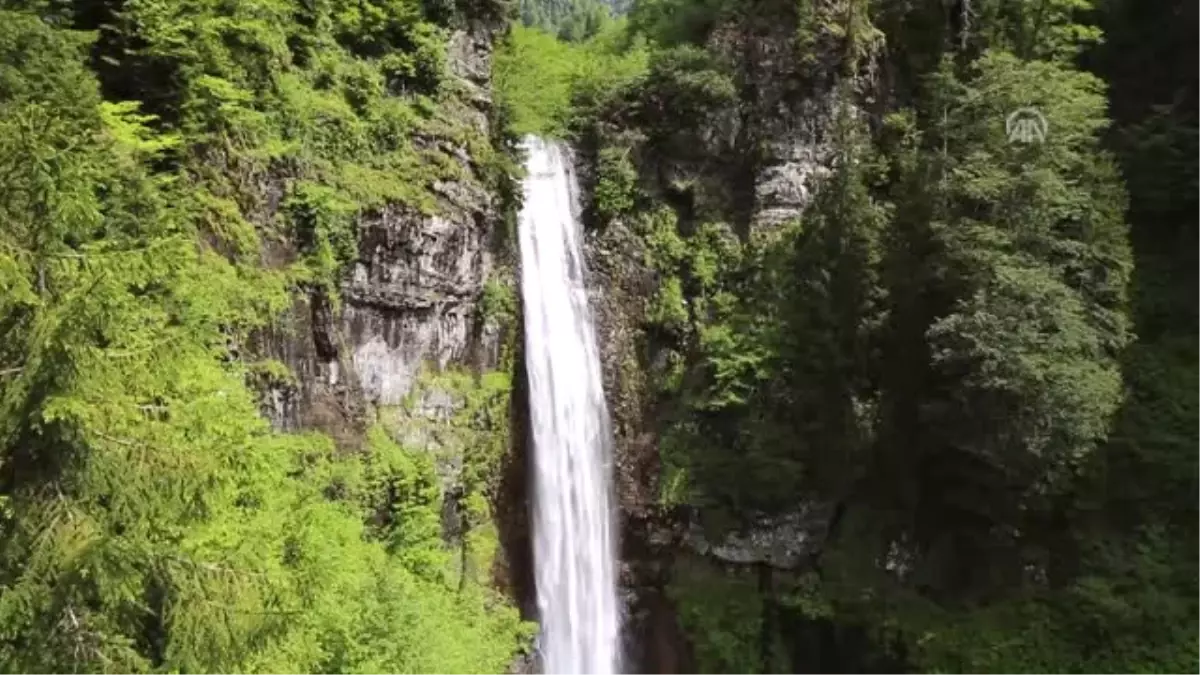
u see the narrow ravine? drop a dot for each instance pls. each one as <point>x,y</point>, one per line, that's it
<point>574,542</point>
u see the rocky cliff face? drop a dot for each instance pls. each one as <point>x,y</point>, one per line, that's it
<point>405,342</point>
<point>756,164</point>
<point>621,285</point>
<point>409,308</point>
<point>410,298</point>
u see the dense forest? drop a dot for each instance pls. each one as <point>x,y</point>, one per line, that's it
<point>151,519</point>
<point>569,20</point>
<point>976,351</point>
<point>971,351</point>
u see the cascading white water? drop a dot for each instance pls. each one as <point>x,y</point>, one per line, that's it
<point>574,543</point>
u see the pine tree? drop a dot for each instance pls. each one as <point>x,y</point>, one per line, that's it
<point>149,518</point>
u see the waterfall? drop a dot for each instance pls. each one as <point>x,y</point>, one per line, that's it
<point>574,542</point>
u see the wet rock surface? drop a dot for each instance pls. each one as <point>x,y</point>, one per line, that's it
<point>787,541</point>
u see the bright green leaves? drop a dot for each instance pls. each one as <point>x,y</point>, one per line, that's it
<point>131,130</point>
<point>50,135</point>
<point>122,429</point>
<point>404,500</point>
<point>666,250</point>
<point>323,227</point>
<point>539,80</point>
<point>468,446</point>
<point>533,74</point>
<point>498,303</point>
<point>420,70</point>
<point>50,166</point>
<point>325,94</point>
<point>736,323</point>
<point>373,27</point>
<point>409,51</point>
<point>151,520</point>
<point>615,191</point>
<point>226,110</point>
<point>37,64</point>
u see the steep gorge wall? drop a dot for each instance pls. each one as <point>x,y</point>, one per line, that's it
<point>754,163</point>
<point>808,241</point>
<point>411,306</point>
<point>411,296</point>
<point>420,336</point>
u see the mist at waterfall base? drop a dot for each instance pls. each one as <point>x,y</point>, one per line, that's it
<point>573,532</point>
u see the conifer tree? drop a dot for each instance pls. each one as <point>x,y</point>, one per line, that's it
<point>149,517</point>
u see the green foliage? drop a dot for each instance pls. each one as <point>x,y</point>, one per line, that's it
<point>849,25</point>
<point>468,447</point>
<point>325,95</point>
<point>569,20</point>
<point>686,83</point>
<point>1031,268</point>
<point>675,22</point>
<point>323,226</point>
<point>539,79</point>
<point>674,485</point>
<point>1041,270</point>
<point>149,518</point>
<point>1052,30</point>
<point>615,191</point>
<point>499,301</point>
<point>941,343</point>
<point>723,613</point>
<point>766,620</point>
<point>666,251</point>
<point>533,74</point>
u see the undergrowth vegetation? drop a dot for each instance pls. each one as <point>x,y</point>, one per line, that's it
<point>956,342</point>
<point>541,81</point>
<point>150,520</point>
